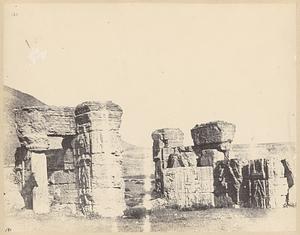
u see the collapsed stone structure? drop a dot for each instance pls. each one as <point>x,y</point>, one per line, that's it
<point>88,175</point>
<point>204,175</point>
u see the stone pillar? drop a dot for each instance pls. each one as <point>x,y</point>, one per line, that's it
<point>212,144</point>
<point>32,134</point>
<point>41,202</point>
<point>98,158</point>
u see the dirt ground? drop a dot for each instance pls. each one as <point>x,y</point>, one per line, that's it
<point>162,220</point>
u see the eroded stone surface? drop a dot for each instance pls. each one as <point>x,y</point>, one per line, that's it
<point>178,168</point>
<point>34,124</point>
<point>31,129</point>
<point>91,150</point>
<point>186,156</point>
<point>11,191</point>
<point>97,151</point>
<point>189,186</point>
<point>209,157</point>
<point>166,138</point>
<point>213,132</point>
<point>62,177</point>
<point>41,203</point>
<point>101,116</point>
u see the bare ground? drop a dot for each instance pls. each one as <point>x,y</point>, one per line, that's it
<point>162,220</point>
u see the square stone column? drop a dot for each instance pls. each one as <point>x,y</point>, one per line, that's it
<point>41,202</point>
<point>98,153</point>
<point>31,128</point>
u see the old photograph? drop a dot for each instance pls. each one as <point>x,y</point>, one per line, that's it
<point>149,117</point>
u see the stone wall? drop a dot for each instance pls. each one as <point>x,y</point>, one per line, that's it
<point>188,187</point>
<point>183,174</point>
<point>61,180</point>
<point>264,184</point>
<point>234,179</point>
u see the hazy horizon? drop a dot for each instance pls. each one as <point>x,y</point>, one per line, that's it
<point>166,65</point>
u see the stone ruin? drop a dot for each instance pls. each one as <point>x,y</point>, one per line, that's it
<point>204,175</point>
<point>88,176</point>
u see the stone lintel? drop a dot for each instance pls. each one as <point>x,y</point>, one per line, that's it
<point>34,124</point>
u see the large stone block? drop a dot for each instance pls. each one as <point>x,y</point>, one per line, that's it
<point>189,186</point>
<point>213,132</point>
<point>49,120</point>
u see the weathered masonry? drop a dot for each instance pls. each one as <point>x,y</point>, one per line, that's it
<point>85,174</point>
<point>88,175</point>
<point>204,175</point>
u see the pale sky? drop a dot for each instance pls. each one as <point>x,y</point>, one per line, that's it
<point>166,65</point>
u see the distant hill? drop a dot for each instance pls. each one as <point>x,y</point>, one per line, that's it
<point>15,99</point>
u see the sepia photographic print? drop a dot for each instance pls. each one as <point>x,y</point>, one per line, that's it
<point>151,116</point>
